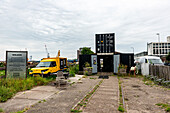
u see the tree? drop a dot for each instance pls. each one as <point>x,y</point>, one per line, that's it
<point>86,51</point>
<point>168,57</point>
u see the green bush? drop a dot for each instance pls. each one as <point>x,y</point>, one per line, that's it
<point>86,73</point>
<point>2,72</point>
<point>1,64</point>
<point>71,73</point>
<point>74,68</point>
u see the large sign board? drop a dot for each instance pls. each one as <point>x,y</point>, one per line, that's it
<point>105,43</point>
<point>16,64</point>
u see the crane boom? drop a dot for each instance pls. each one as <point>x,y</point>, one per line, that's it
<point>48,55</point>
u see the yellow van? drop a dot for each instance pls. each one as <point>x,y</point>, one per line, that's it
<point>48,66</point>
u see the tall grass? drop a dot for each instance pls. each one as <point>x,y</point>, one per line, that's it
<point>73,70</point>
<point>9,87</point>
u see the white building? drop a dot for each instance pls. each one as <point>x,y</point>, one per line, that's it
<point>159,48</point>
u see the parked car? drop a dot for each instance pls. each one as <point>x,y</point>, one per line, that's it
<point>167,64</point>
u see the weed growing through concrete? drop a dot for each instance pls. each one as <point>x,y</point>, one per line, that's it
<point>164,106</point>
<point>120,108</point>
<point>85,99</point>
<point>92,78</point>
<point>25,109</point>
<point>84,76</point>
<point>1,110</point>
<point>76,111</point>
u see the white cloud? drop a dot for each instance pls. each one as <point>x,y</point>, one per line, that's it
<point>68,25</point>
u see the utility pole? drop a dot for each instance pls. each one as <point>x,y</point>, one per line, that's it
<point>133,50</point>
<point>158,44</point>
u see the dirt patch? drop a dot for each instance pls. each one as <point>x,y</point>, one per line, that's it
<point>143,98</point>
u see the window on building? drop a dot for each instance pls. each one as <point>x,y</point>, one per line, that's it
<point>165,45</point>
<point>156,45</point>
<point>165,51</point>
<point>153,45</point>
<point>168,50</point>
<point>162,45</point>
<point>162,51</point>
<point>159,45</point>
<point>98,49</point>
<point>154,51</point>
<point>168,45</point>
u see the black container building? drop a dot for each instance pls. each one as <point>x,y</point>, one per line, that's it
<point>107,59</point>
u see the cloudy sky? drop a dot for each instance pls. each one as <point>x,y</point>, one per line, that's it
<point>67,25</point>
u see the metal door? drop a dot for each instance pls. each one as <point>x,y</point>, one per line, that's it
<point>94,63</point>
<point>116,59</point>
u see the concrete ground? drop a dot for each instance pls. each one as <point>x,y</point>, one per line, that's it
<point>105,99</point>
<point>141,98</point>
<point>30,97</point>
<point>64,100</point>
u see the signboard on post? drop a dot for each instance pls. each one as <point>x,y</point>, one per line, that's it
<point>16,64</point>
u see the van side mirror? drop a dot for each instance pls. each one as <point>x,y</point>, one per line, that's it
<point>146,61</point>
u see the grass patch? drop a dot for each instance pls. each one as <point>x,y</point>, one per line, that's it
<point>2,72</point>
<point>76,111</point>
<point>92,78</point>
<point>25,109</point>
<point>166,107</point>
<point>1,110</point>
<point>9,87</point>
<point>84,76</point>
<point>121,109</point>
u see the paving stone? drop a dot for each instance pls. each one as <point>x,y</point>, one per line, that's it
<point>105,99</point>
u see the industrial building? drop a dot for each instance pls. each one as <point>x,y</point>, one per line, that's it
<point>144,53</point>
<point>159,48</point>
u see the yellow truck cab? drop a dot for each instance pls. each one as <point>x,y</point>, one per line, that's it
<point>48,66</point>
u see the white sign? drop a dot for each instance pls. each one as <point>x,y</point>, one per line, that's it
<point>16,64</point>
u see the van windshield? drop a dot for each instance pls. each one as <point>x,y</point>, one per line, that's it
<point>44,64</point>
<point>155,61</point>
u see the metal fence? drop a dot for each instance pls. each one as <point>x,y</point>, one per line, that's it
<point>162,72</point>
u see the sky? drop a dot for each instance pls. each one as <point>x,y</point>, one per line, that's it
<point>67,25</point>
